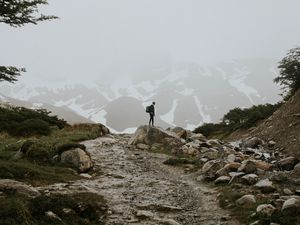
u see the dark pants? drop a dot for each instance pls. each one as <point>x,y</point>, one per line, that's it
<point>151,119</point>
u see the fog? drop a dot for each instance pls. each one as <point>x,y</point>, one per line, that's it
<point>98,40</point>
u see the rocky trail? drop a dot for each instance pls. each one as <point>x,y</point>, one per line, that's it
<point>140,189</point>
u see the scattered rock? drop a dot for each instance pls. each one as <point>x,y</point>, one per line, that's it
<point>288,163</point>
<point>222,180</point>
<point>210,168</point>
<point>287,191</point>
<point>248,166</point>
<point>252,142</point>
<point>291,207</point>
<point>265,186</point>
<point>86,175</point>
<point>52,215</point>
<point>199,137</point>
<point>265,210</point>
<point>16,187</point>
<point>143,146</point>
<point>78,158</point>
<point>143,214</point>
<point>246,200</point>
<point>249,179</point>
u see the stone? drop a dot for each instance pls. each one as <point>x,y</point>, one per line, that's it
<point>248,166</point>
<point>199,137</point>
<point>52,215</point>
<point>19,188</point>
<point>143,214</point>
<point>229,167</point>
<point>263,165</point>
<point>168,222</point>
<point>212,154</point>
<point>210,168</point>
<point>149,135</point>
<point>246,200</point>
<point>215,143</point>
<point>249,179</point>
<point>77,158</point>
<point>86,175</point>
<point>287,191</point>
<point>231,158</point>
<point>180,132</point>
<point>291,207</point>
<point>265,186</point>
<point>288,163</point>
<point>265,210</point>
<point>271,144</point>
<point>253,142</point>
<point>142,146</point>
<point>222,180</point>
<point>296,170</point>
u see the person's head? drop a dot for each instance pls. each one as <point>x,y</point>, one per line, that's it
<point>153,103</point>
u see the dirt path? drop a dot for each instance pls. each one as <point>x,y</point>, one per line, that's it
<point>140,189</point>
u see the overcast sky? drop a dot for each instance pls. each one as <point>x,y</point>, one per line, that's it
<point>94,38</point>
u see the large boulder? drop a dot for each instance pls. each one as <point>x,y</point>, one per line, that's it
<point>150,135</point>
<point>16,187</point>
<point>77,158</point>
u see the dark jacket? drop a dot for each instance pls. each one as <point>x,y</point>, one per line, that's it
<point>152,110</point>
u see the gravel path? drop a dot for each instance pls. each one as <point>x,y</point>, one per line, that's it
<point>141,190</point>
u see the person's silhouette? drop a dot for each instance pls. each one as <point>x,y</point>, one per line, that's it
<point>152,114</point>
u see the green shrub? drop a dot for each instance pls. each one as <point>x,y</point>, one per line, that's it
<point>31,127</point>
<point>238,119</point>
<point>11,117</point>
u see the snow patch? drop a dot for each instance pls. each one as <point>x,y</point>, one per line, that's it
<point>169,116</point>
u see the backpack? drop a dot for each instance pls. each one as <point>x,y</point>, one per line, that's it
<point>147,109</point>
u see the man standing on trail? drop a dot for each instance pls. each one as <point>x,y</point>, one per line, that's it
<point>152,114</point>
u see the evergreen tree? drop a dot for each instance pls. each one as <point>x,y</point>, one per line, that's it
<point>17,13</point>
<point>289,76</point>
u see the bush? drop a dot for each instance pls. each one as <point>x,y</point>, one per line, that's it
<point>238,119</point>
<point>31,127</point>
<point>12,117</point>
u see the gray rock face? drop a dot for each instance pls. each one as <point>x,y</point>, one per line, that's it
<point>149,135</point>
<point>265,185</point>
<point>291,207</point>
<point>16,187</point>
<point>77,158</point>
<point>199,137</point>
<point>246,200</point>
<point>248,166</point>
<point>288,163</point>
<point>265,210</point>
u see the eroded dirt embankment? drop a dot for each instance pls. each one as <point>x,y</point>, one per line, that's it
<point>140,189</point>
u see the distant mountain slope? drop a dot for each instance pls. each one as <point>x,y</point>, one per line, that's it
<point>187,94</point>
<point>62,112</point>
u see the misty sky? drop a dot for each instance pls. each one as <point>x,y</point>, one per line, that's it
<point>96,38</point>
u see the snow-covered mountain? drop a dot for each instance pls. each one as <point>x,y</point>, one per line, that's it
<point>186,94</point>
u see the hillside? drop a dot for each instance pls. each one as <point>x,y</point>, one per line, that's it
<point>283,126</point>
